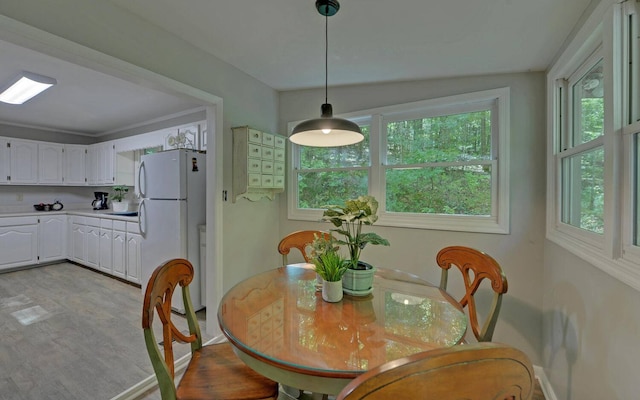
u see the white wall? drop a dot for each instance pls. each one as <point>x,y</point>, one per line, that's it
<point>414,250</point>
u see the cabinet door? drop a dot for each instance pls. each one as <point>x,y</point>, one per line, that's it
<point>50,163</point>
<point>75,164</point>
<point>93,247</point>
<point>52,237</point>
<point>133,257</point>
<point>119,259</point>
<point>18,245</point>
<point>106,162</point>
<point>92,165</point>
<point>78,243</point>
<point>5,163</point>
<point>106,250</point>
<point>24,161</point>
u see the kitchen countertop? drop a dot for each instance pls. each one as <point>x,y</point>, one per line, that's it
<point>84,213</point>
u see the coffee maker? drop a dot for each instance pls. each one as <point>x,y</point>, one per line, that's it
<point>100,202</point>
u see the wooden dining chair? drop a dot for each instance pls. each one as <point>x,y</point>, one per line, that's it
<point>214,371</point>
<point>300,240</point>
<point>475,371</point>
<point>475,267</point>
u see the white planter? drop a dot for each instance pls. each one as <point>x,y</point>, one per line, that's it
<point>332,291</point>
<point>120,206</point>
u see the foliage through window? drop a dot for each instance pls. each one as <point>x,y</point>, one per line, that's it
<point>425,162</point>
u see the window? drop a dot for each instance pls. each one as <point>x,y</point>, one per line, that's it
<point>593,202</point>
<point>435,164</point>
<point>581,152</point>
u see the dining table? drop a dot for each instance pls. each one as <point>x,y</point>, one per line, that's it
<point>279,325</point>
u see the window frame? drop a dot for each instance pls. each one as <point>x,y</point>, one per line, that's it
<point>497,222</point>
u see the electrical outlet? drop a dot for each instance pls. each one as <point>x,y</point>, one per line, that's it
<point>19,197</point>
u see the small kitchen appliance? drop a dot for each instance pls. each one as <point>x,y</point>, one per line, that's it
<point>100,202</point>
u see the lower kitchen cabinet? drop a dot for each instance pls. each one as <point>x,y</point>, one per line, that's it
<point>52,237</point>
<point>106,246</point>
<point>119,250</point>
<point>134,241</point>
<point>93,243</point>
<point>18,241</point>
<point>109,245</point>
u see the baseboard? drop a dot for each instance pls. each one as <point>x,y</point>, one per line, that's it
<point>545,385</point>
<point>150,382</point>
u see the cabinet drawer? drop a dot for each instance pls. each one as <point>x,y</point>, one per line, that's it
<point>254,165</point>
<point>267,139</point>
<point>106,223</point>
<point>16,221</point>
<point>267,167</point>
<point>278,155</point>
<point>255,150</point>
<point>278,182</point>
<point>93,221</point>
<point>267,181</point>
<point>120,225</point>
<point>255,136</point>
<point>267,153</point>
<point>132,227</point>
<point>279,142</point>
<point>278,168</point>
<point>75,219</point>
<point>255,180</point>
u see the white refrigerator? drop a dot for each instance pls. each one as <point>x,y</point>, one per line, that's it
<point>172,186</point>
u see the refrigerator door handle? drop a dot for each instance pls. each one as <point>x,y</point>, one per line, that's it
<point>142,192</point>
<point>141,209</point>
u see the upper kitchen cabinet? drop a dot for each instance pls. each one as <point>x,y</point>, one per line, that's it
<point>100,164</point>
<point>50,163</point>
<point>75,164</point>
<point>5,164</point>
<point>24,161</point>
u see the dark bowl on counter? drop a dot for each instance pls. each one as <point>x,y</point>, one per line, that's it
<point>42,207</point>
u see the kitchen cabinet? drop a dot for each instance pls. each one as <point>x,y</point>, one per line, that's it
<point>23,161</point>
<point>77,240</point>
<point>100,164</point>
<point>258,163</point>
<point>50,163</point>
<point>134,242</point>
<point>106,246</point>
<point>92,243</point>
<point>75,164</point>
<point>18,241</point>
<point>52,237</point>
<point>5,164</point>
<point>119,249</point>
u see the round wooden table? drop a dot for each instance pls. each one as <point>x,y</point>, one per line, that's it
<point>281,327</point>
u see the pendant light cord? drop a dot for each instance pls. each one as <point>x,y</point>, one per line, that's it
<point>326,53</point>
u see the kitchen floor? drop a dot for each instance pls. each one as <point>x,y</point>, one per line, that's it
<point>67,332</point>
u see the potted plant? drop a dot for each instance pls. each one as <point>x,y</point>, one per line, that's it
<point>330,266</point>
<point>118,201</point>
<point>348,220</point>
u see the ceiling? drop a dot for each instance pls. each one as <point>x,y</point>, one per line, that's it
<point>281,43</point>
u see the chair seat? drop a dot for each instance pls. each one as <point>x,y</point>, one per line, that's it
<point>216,372</point>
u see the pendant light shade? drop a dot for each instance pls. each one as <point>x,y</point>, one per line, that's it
<point>326,131</point>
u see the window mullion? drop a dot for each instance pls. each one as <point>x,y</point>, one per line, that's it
<point>378,144</point>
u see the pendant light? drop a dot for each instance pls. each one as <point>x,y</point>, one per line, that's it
<point>326,131</point>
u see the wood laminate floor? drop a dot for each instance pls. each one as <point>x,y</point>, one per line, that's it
<point>67,332</point>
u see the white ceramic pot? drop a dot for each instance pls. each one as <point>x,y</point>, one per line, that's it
<point>120,206</point>
<point>332,291</point>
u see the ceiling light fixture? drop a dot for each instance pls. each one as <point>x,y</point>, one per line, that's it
<point>326,131</point>
<point>24,87</point>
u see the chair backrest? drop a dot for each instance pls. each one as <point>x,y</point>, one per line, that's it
<point>475,371</point>
<point>299,240</point>
<point>157,296</point>
<point>475,266</point>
